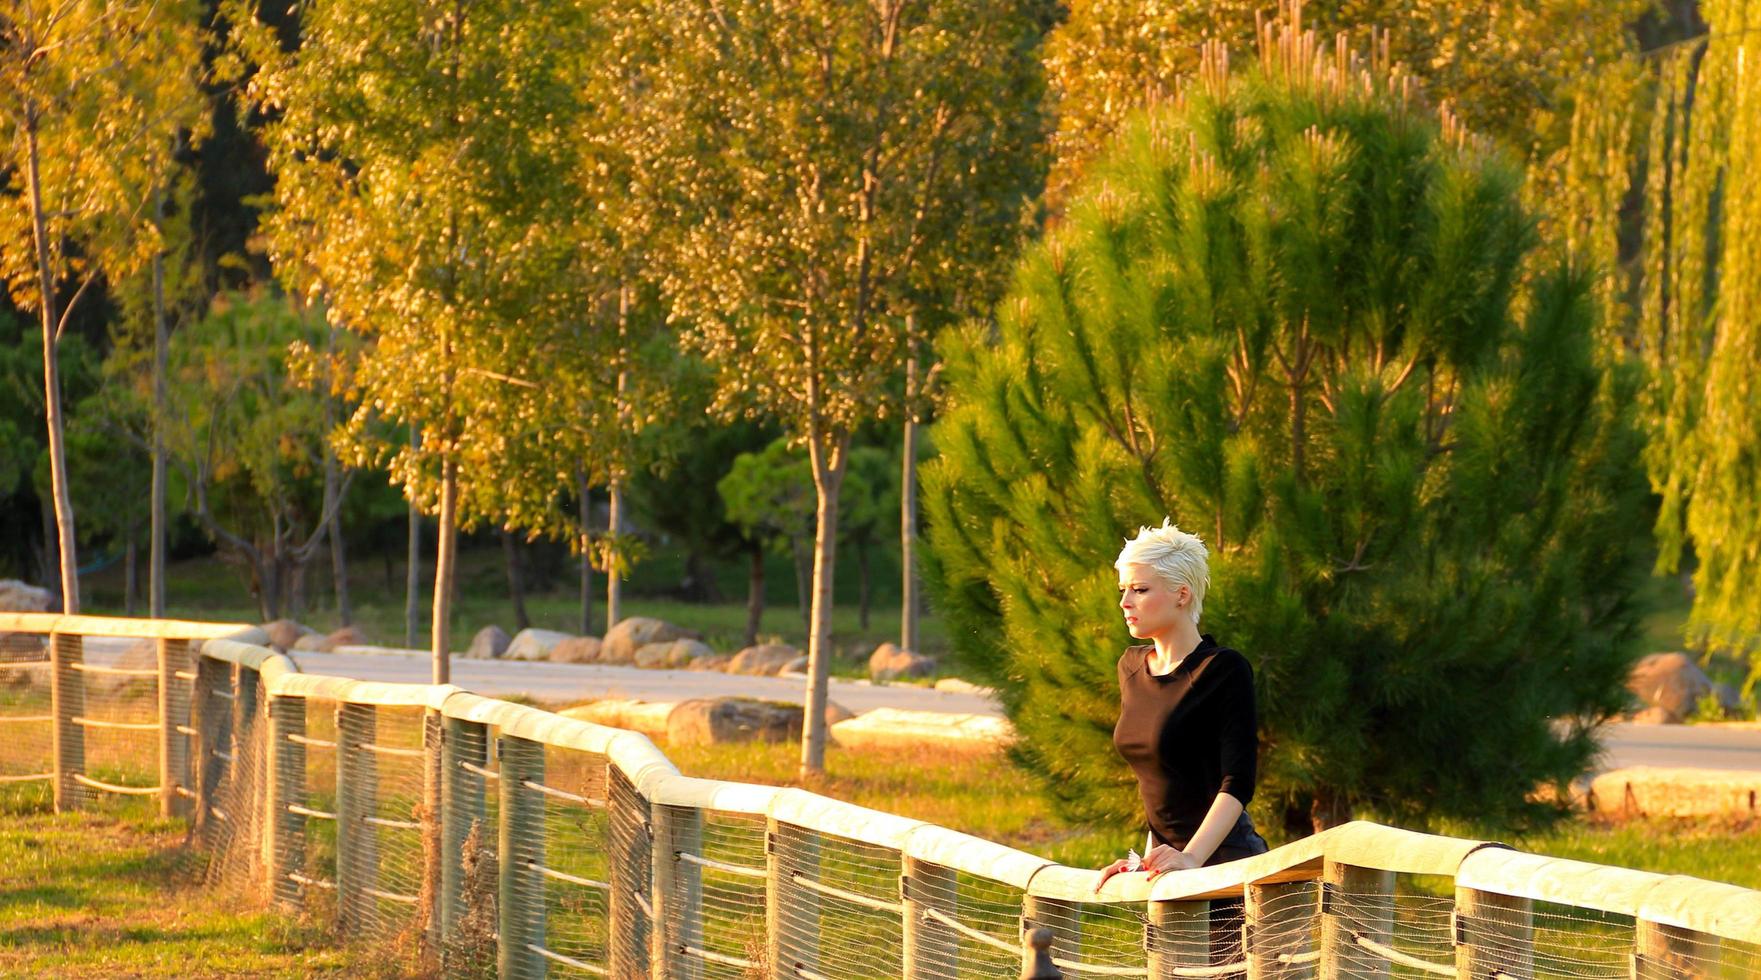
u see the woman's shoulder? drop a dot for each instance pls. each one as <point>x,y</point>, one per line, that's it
<point>1227,659</point>
<point>1131,661</point>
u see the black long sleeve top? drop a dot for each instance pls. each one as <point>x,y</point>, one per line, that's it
<point>1188,735</point>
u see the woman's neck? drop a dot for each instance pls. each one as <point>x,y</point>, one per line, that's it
<point>1173,646</point>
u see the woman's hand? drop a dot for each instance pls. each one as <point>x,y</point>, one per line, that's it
<point>1109,871</point>
<point>1162,859</point>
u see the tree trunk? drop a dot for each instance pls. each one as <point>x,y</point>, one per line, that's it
<point>908,509</point>
<point>130,577</point>
<point>52,412</point>
<point>510,549</point>
<point>828,479</point>
<point>296,587</point>
<point>754,593</point>
<point>1330,808</point>
<point>586,496</point>
<point>862,583</point>
<point>413,569</point>
<point>445,564</point>
<point>803,574</point>
<point>156,505</point>
<point>334,489</point>
<point>614,579</point>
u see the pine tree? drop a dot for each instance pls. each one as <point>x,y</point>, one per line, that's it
<point>1289,309</point>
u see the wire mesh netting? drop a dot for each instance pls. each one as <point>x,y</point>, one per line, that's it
<point>470,874</point>
<point>379,812</point>
<point>1093,937</point>
<point>716,900</point>
<point>27,725</point>
<point>236,805</point>
<point>965,925</point>
<point>109,724</point>
<point>837,906</point>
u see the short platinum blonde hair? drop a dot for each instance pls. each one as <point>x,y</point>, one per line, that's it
<point>1178,558</point>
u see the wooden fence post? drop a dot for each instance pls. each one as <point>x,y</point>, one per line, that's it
<point>1064,919</point>
<point>1672,953</point>
<point>357,798</point>
<point>463,806</point>
<point>1494,935</point>
<point>520,904</point>
<point>1180,936</point>
<point>286,850</point>
<point>67,699</point>
<point>174,715</point>
<point>1355,902</point>
<point>678,892</point>
<point>932,949</point>
<point>1280,920</point>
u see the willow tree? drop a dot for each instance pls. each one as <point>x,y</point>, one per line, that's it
<point>92,95</point>
<point>425,194</point>
<point>824,169</point>
<point>1287,310</point>
<point>1699,323</point>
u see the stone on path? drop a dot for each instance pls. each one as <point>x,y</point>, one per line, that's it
<point>533,644</point>
<point>17,596</point>
<point>673,655</point>
<point>285,633</point>
<point>1671,682</point>
<point>635,632</point>
<point>719,661</point>
<point>576,650</point>
<point>898,728</point>
<point>888,662</point>
<point>955,685</point>
<point>764,660</point>
<point>489,643</point>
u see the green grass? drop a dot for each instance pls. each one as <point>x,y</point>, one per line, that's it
<point>116,893</point>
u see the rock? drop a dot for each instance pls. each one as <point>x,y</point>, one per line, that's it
<point>888,662</point>
<point>533,644</point>
<point>1654,715</point>
<point>835,713</point>
<point>901,729</point>
<point>763,660</point>
<point>1676,792</point>
<point>796,666</point>
<point>632,634</point>
<point>719,721</point>
<point>576,650</point>
<point>348,636</point>
<point>955,685</point>
<point>672,655</point>
<point>284,633</point>
<point>1671,681</point>
<point>16,596</point>
<point>649,718</point>
<point>718,662</point>
<point>312,643</point>
<point>489,643</point>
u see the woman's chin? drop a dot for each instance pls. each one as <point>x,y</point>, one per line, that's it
<point>1131,628</point>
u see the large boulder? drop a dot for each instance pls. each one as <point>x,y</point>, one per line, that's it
<point>16,596</point>
<point>764,660</point>
<point>576,650</point>
<point>489,643</point>
<point>533,644</point>
<point>794,668</point>
<point>312,643</point>
<point>954,685</point>
<point>718,721</point>
<point>635,632</point>
<point>897,728</point>
<point>719,661</point>
<point>888,662</point>
<point>672,655</point>
<point>348,636</point>
<point>284,633</point>
<point>1671,682</point>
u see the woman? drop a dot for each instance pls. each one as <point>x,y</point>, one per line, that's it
<point>1187,725</point>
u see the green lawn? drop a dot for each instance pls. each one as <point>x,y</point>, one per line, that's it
<point>118,894</point>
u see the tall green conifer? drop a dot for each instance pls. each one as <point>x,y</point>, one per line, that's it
<point>1288,310</point>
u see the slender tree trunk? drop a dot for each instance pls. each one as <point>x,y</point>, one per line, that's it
<point>156,506</point>
<point>614,579</point>
<point>445,565</point>
<point>754,593</point>
<point>52,411</point>
<point>803,575</point>
<point>49,559</point>
<point>862,583</point>
<point>828,479</point>
<point>413,569</point>
<point>296,587</point>
<point>510,549</point>
<point>585,493</point>
<point>908,504</point>
<point>339,570</point>
<point>130,577</point>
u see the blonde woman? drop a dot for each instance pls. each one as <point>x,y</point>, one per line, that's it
<point>1187,724</point>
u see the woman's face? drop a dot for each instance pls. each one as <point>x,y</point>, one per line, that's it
<point>1151,606</point>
